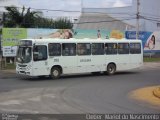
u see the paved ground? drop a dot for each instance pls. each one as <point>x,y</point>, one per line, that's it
<point>80,94</point>
<point>146,65</point>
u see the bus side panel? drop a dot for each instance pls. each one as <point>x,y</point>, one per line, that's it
<point>111,59</point>
<point>136,60</point>
<point>40,68</point>
<point>84,63</point>
<point>69,64</point>
<point>97,63</point>
<point>123,62</point>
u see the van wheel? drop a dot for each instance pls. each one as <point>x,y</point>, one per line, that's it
<point>111,69</point>
<point>55,73</point>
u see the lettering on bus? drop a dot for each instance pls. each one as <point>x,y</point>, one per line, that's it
<point>85,60</point>
<point>56,60</point>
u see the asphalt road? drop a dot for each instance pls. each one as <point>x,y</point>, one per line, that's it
<point>78,93</point>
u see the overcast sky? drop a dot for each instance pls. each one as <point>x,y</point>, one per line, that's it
<point>71,5</point>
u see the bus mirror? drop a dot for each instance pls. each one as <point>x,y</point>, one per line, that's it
<point>34,47</point>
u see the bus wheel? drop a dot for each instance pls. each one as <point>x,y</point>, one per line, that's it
<point>111,69</point>
<point>55,73</point>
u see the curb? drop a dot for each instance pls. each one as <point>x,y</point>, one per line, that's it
<point>5,74</point>
<point>156,92</point>
<point>8,71</point>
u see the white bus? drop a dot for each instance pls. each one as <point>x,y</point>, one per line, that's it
<point>54,57</point>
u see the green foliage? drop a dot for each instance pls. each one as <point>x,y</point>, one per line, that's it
<point>10,66</point>
<point>14,18</point>
<point>32,19</point>
<point>63,23</point>
<point>151,59</point>
<point>41,22</point>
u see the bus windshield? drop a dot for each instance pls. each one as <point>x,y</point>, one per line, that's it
<point>24,55</point>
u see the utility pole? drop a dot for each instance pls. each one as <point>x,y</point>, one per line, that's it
<point>137,17</point>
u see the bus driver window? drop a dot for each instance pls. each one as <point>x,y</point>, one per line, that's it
<point>40,53</point>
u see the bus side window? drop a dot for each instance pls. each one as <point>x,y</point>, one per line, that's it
<point>84,49</point>
<point>111,48</point>
<point>40,52</point>
<point>135,48</point>
<point>80,49</point>
<point>123,48</point>
<point>97,48</point>
<point>54,49</point>
<point>68,49</point>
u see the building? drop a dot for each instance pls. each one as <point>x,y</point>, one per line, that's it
<point>125,17</point>
<point>101,21</point>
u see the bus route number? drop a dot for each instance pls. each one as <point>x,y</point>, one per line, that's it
<point>56,60</point>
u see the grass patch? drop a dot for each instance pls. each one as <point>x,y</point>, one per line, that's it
<point>154,59</point>
<point>10,66</point>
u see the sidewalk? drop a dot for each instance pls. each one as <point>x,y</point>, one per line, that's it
<point>147,95</point>
<point>4,74</point>
<point>150,94</point>
<point>156,92</point>
<point>152,65</point>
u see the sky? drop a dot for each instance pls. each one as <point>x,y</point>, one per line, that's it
<point>71,5</point>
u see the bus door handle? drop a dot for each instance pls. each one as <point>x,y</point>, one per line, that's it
<point>79,66</point>
<point>92,65</point>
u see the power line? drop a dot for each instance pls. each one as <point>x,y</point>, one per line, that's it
<point>118,13</point>
<point>44,9</point>
<point>71,11</point>
<point>150,16</point>
<point>137,17</point>
<point>95,21</point>
<point>105,21</point>
<point>155,20</point>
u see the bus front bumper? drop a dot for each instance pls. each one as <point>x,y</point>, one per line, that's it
<point>24,73</point>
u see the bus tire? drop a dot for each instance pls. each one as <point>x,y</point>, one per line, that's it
<point>55,73</point>
<point>111,69</point>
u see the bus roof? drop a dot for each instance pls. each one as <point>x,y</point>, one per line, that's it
<point>85,40</point>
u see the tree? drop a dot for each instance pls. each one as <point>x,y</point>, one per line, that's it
<point>14,18</point>
<point>41,22</point>
<point>63,23</point>
<point>31,19</point>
